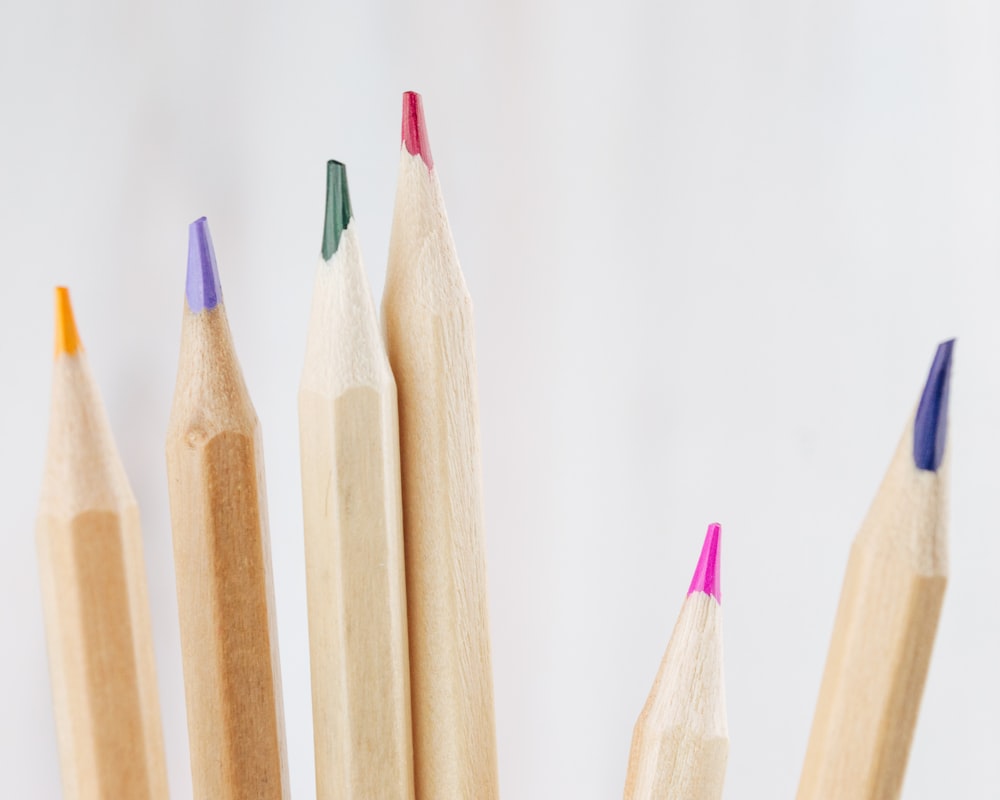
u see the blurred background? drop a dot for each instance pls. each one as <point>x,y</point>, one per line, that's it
<point>712,248</point>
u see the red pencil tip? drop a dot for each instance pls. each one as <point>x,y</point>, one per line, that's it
<point>414,128</point>
<point>706,574</point>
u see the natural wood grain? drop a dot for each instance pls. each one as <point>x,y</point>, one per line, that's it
<point>222,559</point>
<point>427,314</point>
<point>681,742</point>
<point>354,542</point>
<point>882,639</point>
<point>96,606</point>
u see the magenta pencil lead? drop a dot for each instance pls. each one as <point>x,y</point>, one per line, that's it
<point>706,574</point>
<point>415,129</point>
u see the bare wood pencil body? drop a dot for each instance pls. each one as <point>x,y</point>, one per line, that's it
<point>882,640</point>
<point>680,743</point>
<point>354,541</point>
<point>96,606</point>
<point>222,556</point>
<point>888,615</point>
<point>427,316</point>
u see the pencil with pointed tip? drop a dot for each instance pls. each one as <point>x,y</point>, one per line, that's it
<point>355,579</point>
<point>222,555</point>
<point>681,740</point>
<point>94,590</point>
<point>427,315</point>
<point>888,615</point>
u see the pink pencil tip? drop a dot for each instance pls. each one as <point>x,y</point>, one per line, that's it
<point>706,574</point>
<point>415,130</point>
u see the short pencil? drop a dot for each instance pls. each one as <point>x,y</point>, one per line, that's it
<point>94,590</point>
<point>427,314</point>
<point>888,615</point>
<point>222,555</point>
<point>352,508</point>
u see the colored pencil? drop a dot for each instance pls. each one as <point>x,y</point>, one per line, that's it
<point>222,555</point>
<point>94,591</point>
<point>681,741</point>
<point>355,578</point>
<point>427,314</point>
<point>888,615</point>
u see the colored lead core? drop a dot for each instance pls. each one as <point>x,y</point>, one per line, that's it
<point>67,339</point>
<point>706,574</point>
<point>415,129</point>
<point>338,207</point>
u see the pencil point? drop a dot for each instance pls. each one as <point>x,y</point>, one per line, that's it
<point>706,574</point>
<point>930,427</point>
<point>338,207</point>
<point>67,338</point>
<point>414,128</point>
<point>203,289</point>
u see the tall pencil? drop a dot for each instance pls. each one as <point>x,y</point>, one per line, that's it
<point>222,555</point>
<point>427,314</point>
<point>353,529</point>
<point>94,590</point>
<point>681,741</point>
<point>888,616</point>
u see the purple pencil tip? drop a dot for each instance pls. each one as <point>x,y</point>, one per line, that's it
<point>706,574</point>
<point>203,289</point>
<point>930,428</point>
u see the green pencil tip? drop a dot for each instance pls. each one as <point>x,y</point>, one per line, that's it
<point>338,207</point>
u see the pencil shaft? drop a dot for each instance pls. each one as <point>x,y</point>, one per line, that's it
<point>222,560</point>
<point>427,315</point>
<point>97,610</point>
<point>356,591</point>
<point>355,577</point>
<point>876,668</point>
<point>882,640</point>
<point>680,743</point>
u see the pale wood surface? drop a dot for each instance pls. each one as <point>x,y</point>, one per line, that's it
<point>354,542</point>
<point>680,743</point>
<point>96,606</point>
<point>427,315</point>
<point>882,639</point>
<point>222,558</point>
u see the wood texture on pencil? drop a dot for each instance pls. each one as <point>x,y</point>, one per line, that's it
<point>222,557</point>
<point>353,531</point>
<point>883,635</point>
<point>427,315</point>
<point>680,743</point>
<point>94,591</point>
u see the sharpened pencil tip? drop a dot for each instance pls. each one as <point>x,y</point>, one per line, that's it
<point>930,427</point>
<point>203,289</point>
<point>706,574</point>
<point>414,128</point>
<point>67,338</point>
<point>338,207</point>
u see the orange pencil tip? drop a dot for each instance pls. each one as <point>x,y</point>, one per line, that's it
<point>67,339</point>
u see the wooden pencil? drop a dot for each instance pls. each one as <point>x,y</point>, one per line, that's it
<point>888,615</point>
<point>355,579</point>
<point>427,314</point>
<point>681,741</point>
<point>222,555</point>
<point>94,591</point>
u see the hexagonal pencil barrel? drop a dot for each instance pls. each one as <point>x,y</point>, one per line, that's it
<point>225,596</point>
<point>886,623</point>
<point>94,591</point>
<point>428,321</point>
<point>352,508</point>
<point>680,743</point>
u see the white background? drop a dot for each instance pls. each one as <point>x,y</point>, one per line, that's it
<point>712,247</point>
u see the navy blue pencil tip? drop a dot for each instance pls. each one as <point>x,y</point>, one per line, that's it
<point>930,428</point>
